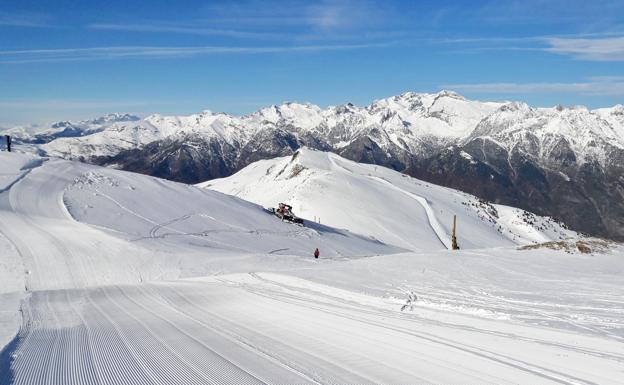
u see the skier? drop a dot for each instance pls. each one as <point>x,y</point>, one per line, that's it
<point>317,253</point>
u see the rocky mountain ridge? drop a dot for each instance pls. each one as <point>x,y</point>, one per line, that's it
<point>567,163</point>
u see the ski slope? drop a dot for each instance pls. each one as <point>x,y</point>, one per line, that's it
<point>110,277</point>
<point>131,236</point>
<point>384,204</point>
<point>76,225</point>
<point>280,328</point>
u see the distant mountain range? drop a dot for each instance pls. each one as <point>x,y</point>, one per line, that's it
<point>567,163</point>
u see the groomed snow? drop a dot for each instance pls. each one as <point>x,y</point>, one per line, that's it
<point>127,279</point>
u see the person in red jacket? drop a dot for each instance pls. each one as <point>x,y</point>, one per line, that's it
<point>317,253</point>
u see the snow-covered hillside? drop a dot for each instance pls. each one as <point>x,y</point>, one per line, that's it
<point>109,277</point>
<point>384,204</point>
<point>67,225</point>
<point>166,225</point>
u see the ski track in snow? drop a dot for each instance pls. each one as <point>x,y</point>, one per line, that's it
<point>433,221</point>
<point>437,228</point>
<point>79,327</point>
<point>251,330</point>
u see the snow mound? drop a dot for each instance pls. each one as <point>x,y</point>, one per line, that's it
<point>384,204</point>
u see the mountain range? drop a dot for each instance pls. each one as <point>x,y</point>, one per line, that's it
<point>567,163</point>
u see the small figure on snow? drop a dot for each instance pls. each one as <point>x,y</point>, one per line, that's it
<point>317,253</point>
<point>411,300</point>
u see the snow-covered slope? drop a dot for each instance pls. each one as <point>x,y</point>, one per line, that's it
<point>91,261</point>
<point>383,203</point>
<point>615,117</point>
<point>135,240</point>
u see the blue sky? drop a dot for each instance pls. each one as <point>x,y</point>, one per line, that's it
<point>70,59</point>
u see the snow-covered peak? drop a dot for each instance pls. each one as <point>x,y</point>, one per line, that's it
<point>514,107</point>
<point>313,159</point>
<point>544,131</point>
<point>115,117</point>
<point>615,117</point>
<point>382,203</point>
<point>450,94</point>
<point>102,120</point>
<point>300,115</point>
<point>69,129</point>
<point>413,100</point>
<point>61,124</point>
<point>207,123</point>
<point>502,118</point>
<point>443,115</point>
<point>347,108</point>
<point>406,101</point>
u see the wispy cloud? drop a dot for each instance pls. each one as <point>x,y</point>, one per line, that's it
<point>505,40</point>
<point>29,20</point>
<point>320,15</point>
<point>283,20</point>
<point>548,12</point>
<point>608,49</point>
<point>598,46</point>
<point>347,14</point>
<point>178,29</point>
<point>595,86</point>
<point>108,53</point>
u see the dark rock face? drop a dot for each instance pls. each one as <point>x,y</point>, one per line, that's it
<point>366,150</point>
<point>188,160</point>
<point>266,145</point>
<point>452,169</point>
<point>587,198</point>
<point>193,158</point>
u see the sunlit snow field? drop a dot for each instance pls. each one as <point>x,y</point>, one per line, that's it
<point>112,277</point>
